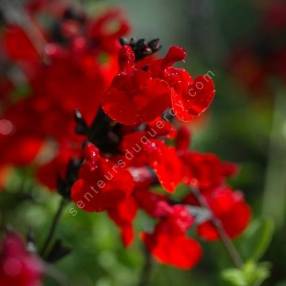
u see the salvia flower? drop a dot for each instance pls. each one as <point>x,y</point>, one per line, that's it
<point>170,244</point>
<point>145,88</point>
<point>126,150</point>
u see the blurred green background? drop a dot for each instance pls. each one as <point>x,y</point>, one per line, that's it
<point>244,125</point>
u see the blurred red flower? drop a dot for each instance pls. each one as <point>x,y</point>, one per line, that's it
<point>18,267</point>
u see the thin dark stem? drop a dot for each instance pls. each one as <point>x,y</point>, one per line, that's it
<point>53,227</point>
<point>146,270</point>
<point>227,242</point>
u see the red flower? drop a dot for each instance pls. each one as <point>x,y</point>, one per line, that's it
<point>155,205</point>
<point>49,173</point>
<point>143,89</point>
<point>176,250</point>
<point>136,97</point>
<point>16,37</point>
<point>101,184</point>
<point>189,102</point>
<point>231,209</point>
<point>205,171</point>
<point>123,215</point>
<point>161,128</point>
<point>17,266</point>
<point>145,151</point>
<point>166,164</point>
<point>20,150</point>
<point>126,149</point>
<point>169,243</point>
<point>183,139</point>
<point>72,82</point>
<point>72,76</point>
<point>142,177</point>
<point>107,29</point>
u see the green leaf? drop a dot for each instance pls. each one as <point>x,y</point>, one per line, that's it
<point>256,239</point>
<point>233,277</point>
<point>250,274</point>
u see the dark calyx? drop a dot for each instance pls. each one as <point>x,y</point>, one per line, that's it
<point>142,48</point>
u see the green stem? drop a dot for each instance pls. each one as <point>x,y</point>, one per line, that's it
<point>146,270</point>
<point>274,197</point>
<point>53,227</point>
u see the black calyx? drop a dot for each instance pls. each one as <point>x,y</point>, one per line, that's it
<point>142,48</point>
<point>58,251</point>
<point>103,132</point>
<point>65,184</point>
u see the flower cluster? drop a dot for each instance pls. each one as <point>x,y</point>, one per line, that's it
<point>74,64</point>
<point>131,130</point>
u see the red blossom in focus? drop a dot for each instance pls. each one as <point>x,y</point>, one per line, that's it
<point>144,90</point>
<point>98,187</point>
<point>157,155</point>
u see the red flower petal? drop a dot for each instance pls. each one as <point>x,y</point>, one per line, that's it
<point>100,186</point>
<point>176,250</point>
<point>183,139</point>
<point>167,167</point>
<point>20,150</point>
<point>155,205</point>
<point>18,45</point>
<point>123,215</point>
<point>135,98</point>
<point>204,170</point>
<point>231,209</point>
<point>195,100</point>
